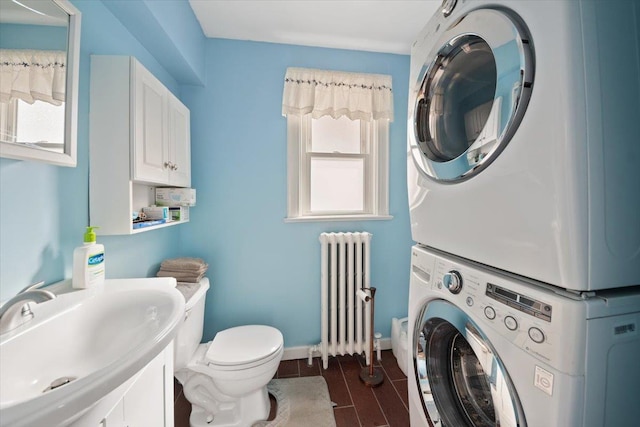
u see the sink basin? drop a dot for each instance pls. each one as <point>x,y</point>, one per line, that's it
<point>91,341</point>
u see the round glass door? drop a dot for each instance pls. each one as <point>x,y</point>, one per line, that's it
<point>461,379</point>
<point>471,95</point>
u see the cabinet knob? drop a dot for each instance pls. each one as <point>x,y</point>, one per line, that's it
<point>171,166</point>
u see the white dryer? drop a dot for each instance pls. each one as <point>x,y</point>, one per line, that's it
<point>524,138</point>
<point>488,349</point>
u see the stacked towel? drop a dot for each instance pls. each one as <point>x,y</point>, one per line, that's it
<point>190,270</point>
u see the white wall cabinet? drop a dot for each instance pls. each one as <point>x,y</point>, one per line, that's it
<point>139,139</point>
<point>161,141</point>
<point>179,143</point>
<point>149,121</point>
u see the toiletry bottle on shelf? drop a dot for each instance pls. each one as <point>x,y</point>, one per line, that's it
<point>88,262</point>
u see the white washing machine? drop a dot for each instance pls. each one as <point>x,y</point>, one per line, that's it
<point>523,138</point>
<point>489,349</point>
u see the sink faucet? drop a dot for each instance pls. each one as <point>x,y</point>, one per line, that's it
<point>17,311</point>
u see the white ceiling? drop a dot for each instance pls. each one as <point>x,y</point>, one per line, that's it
<point>371,25</point>
<point>32,12</point>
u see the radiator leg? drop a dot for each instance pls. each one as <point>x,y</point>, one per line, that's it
<point>312,349</point>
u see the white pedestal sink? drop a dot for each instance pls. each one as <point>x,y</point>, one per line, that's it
<point>96,339</point>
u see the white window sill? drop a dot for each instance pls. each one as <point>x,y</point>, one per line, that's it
<point>320,218</point>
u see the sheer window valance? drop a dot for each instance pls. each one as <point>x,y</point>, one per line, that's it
<point>32,75</point>
<point>355,95</point>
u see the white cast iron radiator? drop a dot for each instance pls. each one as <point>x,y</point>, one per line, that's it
<point>345,318</point>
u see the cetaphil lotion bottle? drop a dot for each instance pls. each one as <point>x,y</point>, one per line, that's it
<point>88,262</point>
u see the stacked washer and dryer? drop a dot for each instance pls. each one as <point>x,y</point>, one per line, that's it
<point>524,197</point>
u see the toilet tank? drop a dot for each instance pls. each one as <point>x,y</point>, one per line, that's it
<point>190,332</point>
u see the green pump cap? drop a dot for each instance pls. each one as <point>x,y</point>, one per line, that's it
<point>90,236</point>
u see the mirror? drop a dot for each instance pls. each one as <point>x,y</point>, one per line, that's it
<point>39,63</point>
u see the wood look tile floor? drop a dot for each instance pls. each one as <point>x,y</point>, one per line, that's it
<point>356,404</point>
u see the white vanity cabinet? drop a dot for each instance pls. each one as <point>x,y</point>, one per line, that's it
<point>139,139</point>
<point>145,400</point>
<point>148,400</point>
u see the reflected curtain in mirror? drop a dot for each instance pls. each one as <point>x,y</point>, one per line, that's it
<point>32,75</point>
<point>32,95</point>
<point>39,66</point>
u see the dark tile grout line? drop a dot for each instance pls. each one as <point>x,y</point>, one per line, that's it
<point>297,372</point>
<point>376,396</point>
<point>378,364</point>
<point>350,395</point>
<point>393,382</point>
<point>388,377</point>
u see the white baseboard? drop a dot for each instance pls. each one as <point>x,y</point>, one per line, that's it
<point>302,352</point>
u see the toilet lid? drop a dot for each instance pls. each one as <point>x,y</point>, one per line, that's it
<point>244,345</point>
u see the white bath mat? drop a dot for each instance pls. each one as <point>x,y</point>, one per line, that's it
<point>302,401</point>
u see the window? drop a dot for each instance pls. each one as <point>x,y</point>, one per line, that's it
<point>39,124</point>
<point>337,167</point>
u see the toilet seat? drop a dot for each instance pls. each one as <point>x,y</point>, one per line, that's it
<point>244,347</point>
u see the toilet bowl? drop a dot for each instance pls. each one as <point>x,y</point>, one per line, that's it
<point>225,380</point>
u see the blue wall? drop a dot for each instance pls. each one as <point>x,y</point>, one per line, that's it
<point>44,209</point>
<point>46,37</point>
<point>169,30</point>
<point>262,269</point>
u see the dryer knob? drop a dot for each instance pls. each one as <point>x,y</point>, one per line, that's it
<point>452,281</point>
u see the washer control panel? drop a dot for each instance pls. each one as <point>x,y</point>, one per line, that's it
<point>545,323</point>
<point>520,302</point>
<point>520,316</point>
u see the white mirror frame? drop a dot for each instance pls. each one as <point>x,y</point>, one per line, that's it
<point>69,157</point>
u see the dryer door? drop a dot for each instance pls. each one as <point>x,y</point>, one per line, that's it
<point>470,95</point>
<point>460,377</point>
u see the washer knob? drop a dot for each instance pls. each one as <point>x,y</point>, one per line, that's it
<point>452,281</point>
<point>448,6</point>
<point>489,312</point>
<point>536,335</point>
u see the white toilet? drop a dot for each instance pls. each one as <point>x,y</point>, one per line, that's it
<point>226,379</point>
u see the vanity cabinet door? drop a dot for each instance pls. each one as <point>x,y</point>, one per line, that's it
<point>144,400</point>
<point>115,418</point>
<point>150,140</point>
<point>179,143</point>
<point>144,403</point>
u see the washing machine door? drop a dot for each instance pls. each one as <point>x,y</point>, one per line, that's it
<point>461,379</point>
<point>470,96</point>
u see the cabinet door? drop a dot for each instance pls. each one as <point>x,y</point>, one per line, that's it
<point>115,417</point>
<point>144,403</point>
<point>150,142</point>
<point>179,143</point>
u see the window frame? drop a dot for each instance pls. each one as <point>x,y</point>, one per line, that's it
<point>374,137</point>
